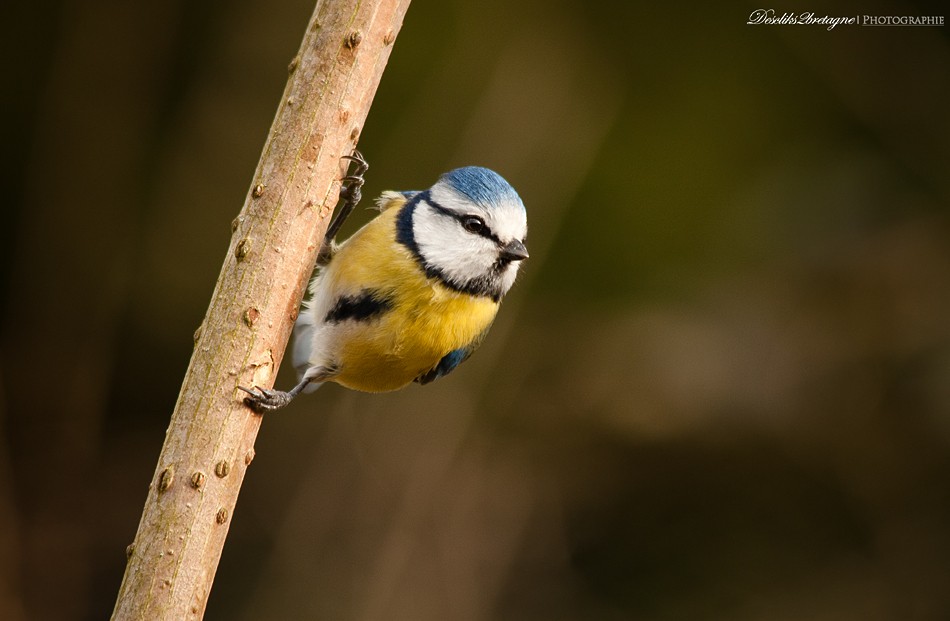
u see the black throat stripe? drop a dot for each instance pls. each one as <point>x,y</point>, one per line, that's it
<point>484,286</point>
<point>366,305</point>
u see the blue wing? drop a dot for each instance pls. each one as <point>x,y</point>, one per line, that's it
<point>446,365</point>
<point>450,361</point>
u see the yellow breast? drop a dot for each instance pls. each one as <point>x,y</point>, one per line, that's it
<point>427,320</point>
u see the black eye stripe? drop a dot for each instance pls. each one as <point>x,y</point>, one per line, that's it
<point>486,232</point>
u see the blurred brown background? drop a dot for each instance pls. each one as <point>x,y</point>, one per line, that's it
<point>721,389</point>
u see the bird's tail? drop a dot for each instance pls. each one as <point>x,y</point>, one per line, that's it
<point>303,343</point>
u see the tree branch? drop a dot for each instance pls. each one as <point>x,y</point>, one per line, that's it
<point>210,440</point>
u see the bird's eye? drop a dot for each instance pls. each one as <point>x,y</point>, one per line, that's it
<point>473,224</point>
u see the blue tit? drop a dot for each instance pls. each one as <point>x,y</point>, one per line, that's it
<point>412,294</point>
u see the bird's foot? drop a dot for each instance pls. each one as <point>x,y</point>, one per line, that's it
<point>264,400</point>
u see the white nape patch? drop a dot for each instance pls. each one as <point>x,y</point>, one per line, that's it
<point>389,198</point>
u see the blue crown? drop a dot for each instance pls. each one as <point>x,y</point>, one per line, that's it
<point>481,186</point>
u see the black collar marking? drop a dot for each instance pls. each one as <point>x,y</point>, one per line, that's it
<point>487,286</point>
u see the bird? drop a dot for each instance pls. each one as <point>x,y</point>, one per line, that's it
<point>411,295</point>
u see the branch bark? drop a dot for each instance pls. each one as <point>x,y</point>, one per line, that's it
<point>210,440</point>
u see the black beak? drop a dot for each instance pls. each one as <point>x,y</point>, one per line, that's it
<point>514,251</point>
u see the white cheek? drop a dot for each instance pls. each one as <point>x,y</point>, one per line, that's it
<point>465,259</point>
<point>460,255</point>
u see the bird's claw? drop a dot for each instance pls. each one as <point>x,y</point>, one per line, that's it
<point>353,182</point>
<point>350,193</point>
<point>265,400</point>
<point>361,164</point>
